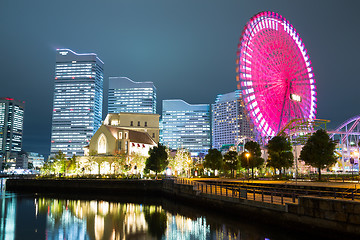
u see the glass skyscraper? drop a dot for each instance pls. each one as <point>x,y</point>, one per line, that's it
<point>186,126</point>
<point>126,95</point>
<point>78,96</point>
<point>11,126</point>
<point>229,121</point>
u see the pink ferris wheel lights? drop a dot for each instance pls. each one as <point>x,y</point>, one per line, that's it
<point>274,73</point>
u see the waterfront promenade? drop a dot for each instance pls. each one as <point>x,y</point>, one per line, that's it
<point>325,205</point>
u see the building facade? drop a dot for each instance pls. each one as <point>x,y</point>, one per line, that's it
<point>230,125</point>
<point>126,95</point>
<point>186,126</point>
<point>22,160</point>
<point>36,159</point>
<point>11,126</point>
<point>109,140</point>
<point>77,106</point>
<point>135,121</point>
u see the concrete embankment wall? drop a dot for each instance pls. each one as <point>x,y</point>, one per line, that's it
<point>329,213</point>
<point>88,186</point>
<point>311,213</point>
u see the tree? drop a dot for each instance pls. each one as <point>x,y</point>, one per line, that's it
<point>231,161</point>
<point>137,162</point>
<point>119,163</point>
<point>180,161</point>
<point>157,161</point>
<point>60,162</point>
<point>319,151</point>
<point>254,159</point>
<point>30,165</point>
<point>280,153</point>
<point>90,161</point>
<point>71,165</point>
<point>213,160</point>
<point>47,168</point>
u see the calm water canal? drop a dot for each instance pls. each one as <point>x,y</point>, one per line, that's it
<point>25,216</point>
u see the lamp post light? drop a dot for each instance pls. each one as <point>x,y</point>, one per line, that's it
<point>247,155</point>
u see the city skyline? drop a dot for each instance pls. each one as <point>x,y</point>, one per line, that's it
<point>191,58</point>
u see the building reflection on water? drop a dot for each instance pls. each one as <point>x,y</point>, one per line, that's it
<point>27,217</point>
<point>79,219</point>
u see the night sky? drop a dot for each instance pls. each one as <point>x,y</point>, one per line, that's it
<point>186,47</point>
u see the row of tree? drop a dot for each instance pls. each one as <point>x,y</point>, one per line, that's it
<point>231,161</point>
<point>318,152</point>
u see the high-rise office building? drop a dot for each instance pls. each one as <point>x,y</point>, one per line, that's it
<point>78,96</point>
<point>186,126</point>
<point>11,126</point>
<point>126,95</point>
<point>229,121</point>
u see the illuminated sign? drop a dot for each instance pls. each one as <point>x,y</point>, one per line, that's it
<point>295,97</point>
<point>64,53</point>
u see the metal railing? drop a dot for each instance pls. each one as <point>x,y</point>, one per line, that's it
<point>273,195</point>
<point>335,192</point>
<point>253,194</point>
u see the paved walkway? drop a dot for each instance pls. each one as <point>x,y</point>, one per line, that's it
<point>346,185</point>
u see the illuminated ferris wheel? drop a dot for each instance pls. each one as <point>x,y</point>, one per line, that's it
<point>274,74</point>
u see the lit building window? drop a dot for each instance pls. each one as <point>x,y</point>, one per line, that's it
<point>102,144</point>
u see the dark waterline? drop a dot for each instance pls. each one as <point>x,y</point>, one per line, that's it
<point>29,216</point>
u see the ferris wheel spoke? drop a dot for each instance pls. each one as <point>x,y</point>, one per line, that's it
<point>275,66</point>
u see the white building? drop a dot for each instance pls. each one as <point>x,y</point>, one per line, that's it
<point>229,121</point>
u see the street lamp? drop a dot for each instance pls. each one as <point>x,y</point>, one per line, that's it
<point>247,155</point>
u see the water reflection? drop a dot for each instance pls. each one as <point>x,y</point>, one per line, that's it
<point>94,219</point>
<point>25,217</point>
<point>38,217</point>
<point>79,219</point>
